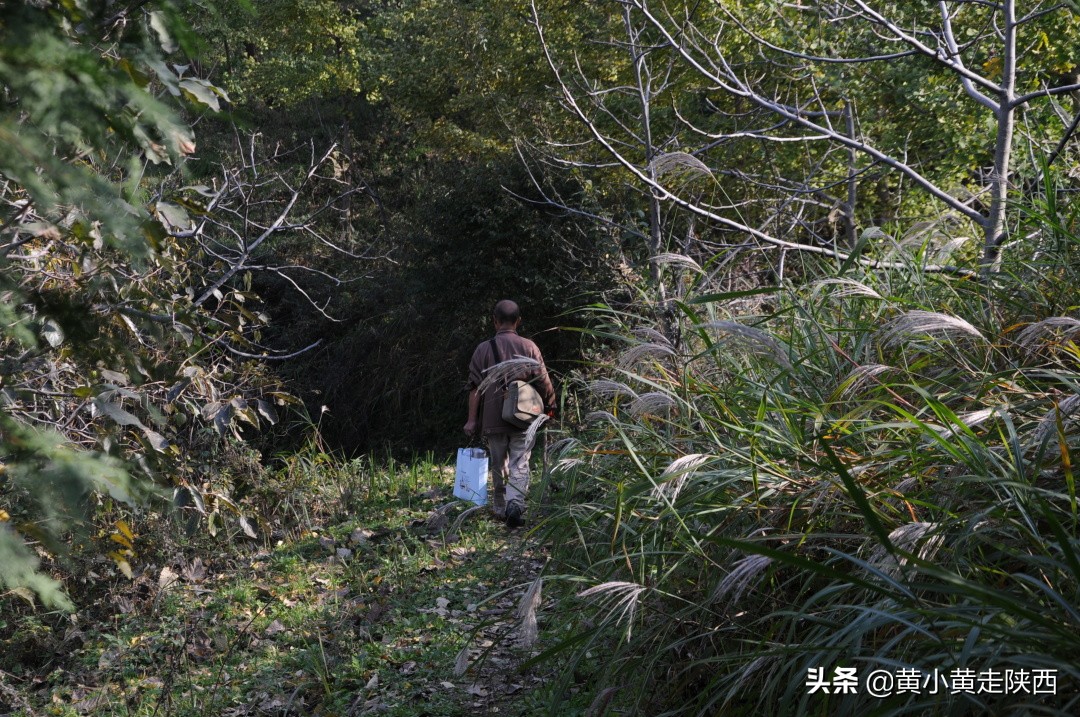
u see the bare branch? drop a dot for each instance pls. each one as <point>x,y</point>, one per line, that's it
<point>936,53</point>
<point>1048,92</point>
<point>663,193</point>
<point>954,50</point>
<point>733,84</point>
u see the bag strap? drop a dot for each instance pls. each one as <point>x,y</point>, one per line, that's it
<point>498,358</point>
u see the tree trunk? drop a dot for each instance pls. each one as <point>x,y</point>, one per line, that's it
<point>655,242</point>
<point>994,227</point>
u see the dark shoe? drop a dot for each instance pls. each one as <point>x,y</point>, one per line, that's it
<point>514,513</point>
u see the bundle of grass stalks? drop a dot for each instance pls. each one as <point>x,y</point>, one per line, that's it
<point>864,502</point>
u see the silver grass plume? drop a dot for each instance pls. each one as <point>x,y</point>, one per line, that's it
<point>916,233</point>
<point>946,250</point>
<point>1047,327</point>
<point>461,664</point>
<point>918,323</point>
<point>898,494</point>
<point>654,402</point>
<point>617,595</point>
<point>969,419</point>
<point>679,162</point>
<point>910,538</point>
<point>559,454</point>
<point>562,446</point>
<point>750,669</point>
<point>1048,423</point>
<point>530,631</point>
<point>567,464</point>
<point>739,579</point>
<point>751,339</point>
<point>680,259</point>
<point>974,418</point>
<point>508,370</point>
<point>526,612</point>
<point>874,233</point>
<point>531,598</point>
<point>906,485</point>
<point>855,382</point>
<point>650,334</point>
<point>534,428</point>
<point>600,416</point>
<point>610,389</point>
<point>850,288</point>
<point>636,353</point>
<point>674,477</point>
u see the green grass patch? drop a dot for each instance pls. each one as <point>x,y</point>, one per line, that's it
<point>361,608</point>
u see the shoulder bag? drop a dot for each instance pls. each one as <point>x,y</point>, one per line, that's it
<point>522,403</point>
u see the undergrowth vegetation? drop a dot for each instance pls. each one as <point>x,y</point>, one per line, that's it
<point>371,596</point>
<point>875,475</point>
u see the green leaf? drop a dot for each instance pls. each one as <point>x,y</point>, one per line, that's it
<point>166,75</point>
<point>200,91</point>
<point>160,25</point>
<point>173,217</point>
<point>117,414</point>
<point>157,441</point>
<point>18,571</point>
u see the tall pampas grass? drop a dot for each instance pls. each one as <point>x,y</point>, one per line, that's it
<point>919,539</point>
<point>848,287</point>
<point>674,477</point>
<point>678,259</point>
<point>749,339</point>
<point>618,597</point>
<point>860,379</point>
<point>1063,411</point>
<point>915,512</point>
<point>915,324</point>
<point>652,403</point>
<point>1054,327</point>
<point>635,354</point>
<point>526,612</point>
<point>610,389</point>
<point>534,428</point>
<point>509,370</point>
<point>650,334</point>
<point>743,574</point>
<point>680,163</point>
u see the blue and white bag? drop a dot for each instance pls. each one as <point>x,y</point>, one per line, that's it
<point>470,481</point>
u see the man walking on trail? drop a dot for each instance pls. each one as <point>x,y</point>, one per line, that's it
<point>508,450</point>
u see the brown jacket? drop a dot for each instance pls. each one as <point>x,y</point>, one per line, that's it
<point>510,346</point>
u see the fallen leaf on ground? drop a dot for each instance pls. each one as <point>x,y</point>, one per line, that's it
<point>167,578</point>
<point>274,628</point>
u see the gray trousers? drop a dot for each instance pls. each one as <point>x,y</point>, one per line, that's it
<point>508,463</point>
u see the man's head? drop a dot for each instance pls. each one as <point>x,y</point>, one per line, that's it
<point>507,315</point>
